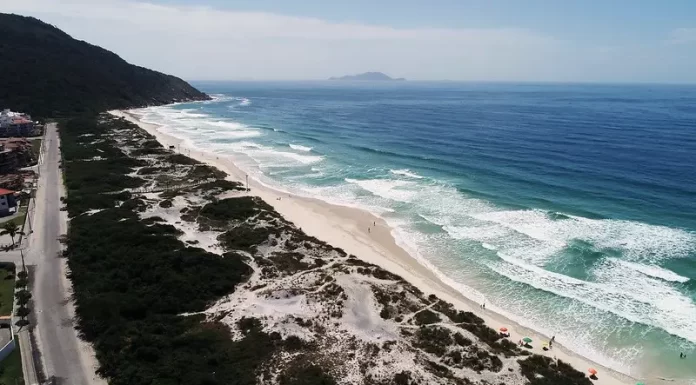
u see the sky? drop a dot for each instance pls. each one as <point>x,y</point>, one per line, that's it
<point>618,41</point>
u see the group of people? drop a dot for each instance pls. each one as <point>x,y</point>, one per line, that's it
<point>369,229</point>
<point>682,355</point>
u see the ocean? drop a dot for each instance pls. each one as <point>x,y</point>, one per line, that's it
<point>569,208</point>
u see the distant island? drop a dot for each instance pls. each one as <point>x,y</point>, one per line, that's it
<point>368,76</point>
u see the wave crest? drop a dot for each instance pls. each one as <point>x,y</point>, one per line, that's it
<point>300,148</point>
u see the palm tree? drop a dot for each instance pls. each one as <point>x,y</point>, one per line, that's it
<point>10,228</point>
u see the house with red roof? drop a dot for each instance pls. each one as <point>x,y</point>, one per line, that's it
<point>15,124</point>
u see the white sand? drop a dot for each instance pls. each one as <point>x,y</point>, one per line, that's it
<point>346,228</point>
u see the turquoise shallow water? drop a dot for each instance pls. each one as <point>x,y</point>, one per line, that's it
<point>569,208</point>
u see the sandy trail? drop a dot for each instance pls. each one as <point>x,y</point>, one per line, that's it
<point>346,228</point>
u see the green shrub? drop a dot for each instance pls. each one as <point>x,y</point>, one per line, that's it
<point>244,237</point>
<point>303,373</point>
<point>433,339</point>
<point>541,370</point>
<point>181,159</point>
<point>426,317</point>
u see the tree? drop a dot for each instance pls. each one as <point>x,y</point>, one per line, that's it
<point>10,228</point>
<point>22,282</point>
<point>22,312</point>
<point>23,297</point>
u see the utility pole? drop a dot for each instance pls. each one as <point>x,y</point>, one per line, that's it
<point>29,213</point>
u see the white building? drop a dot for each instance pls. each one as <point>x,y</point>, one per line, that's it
<point>15,124</point>
<point>7,117</point>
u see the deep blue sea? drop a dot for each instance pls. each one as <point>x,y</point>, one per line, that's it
<point>569,208</point>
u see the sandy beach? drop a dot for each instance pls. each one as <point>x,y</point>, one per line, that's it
<point>347,228</point>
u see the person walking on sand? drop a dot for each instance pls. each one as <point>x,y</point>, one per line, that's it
<point>553,338</point>
<point>368,229</point>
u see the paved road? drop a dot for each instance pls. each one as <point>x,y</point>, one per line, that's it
<point>63,354</point>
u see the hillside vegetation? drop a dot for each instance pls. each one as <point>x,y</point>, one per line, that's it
<point>47,73</point>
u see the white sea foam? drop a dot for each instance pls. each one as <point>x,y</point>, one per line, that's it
<point>618,290</point>
<point>191,113</point>
<point>300,148</point>
<point>269,157</point>
<point>197,127</point>
<point>224,124</point>
<point>218,98</point>
<point>342,195</point>
<point>652,271</point>
<point>406,172</point>
<point>637,241</point>
<point>396,190</point>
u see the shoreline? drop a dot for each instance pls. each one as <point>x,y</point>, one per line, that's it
<point>345,227</point>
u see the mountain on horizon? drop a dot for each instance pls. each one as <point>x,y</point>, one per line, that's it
<point>47,73</point>
<point>368,76</point>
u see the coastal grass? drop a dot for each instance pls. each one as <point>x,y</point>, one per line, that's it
<point>133,279</point>
<point>7,284</point>
<point>11,367</point>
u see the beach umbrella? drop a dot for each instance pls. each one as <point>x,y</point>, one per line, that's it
<point>503,329</point>
<point>527,340</point>
<point>592,371</point>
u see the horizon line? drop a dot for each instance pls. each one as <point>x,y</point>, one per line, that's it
<point>406,81</point>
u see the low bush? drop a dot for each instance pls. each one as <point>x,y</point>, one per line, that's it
<point>433,339</point>
<point>181,159</point>
<point>426,317</point>
<point>244,237</point>
<point>541,370</point>
<point>237,209</point>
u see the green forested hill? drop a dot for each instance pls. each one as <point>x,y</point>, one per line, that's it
<point>45,72</point>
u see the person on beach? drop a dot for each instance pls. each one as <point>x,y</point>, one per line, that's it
<point>368,229</point>
<point>374,223</point>
<point>553,338</point>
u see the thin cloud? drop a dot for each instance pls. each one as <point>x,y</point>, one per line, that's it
<point>206,43</point>
<point>206,21</point>
<point>682,36</point>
